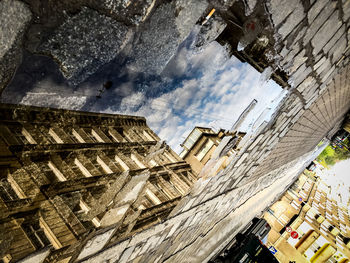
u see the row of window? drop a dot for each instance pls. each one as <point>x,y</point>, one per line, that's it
<point>103,165</point>
<point>83,135</point>
<point>10,190</point>
<point>99,163</point>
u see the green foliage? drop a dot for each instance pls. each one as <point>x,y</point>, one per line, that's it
<point>320,143</point>
<point>331,156</point>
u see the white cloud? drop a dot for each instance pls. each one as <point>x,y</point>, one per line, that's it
<point>217,95</point>
<point>338,178</point>
<point>130,102</point>
<point>210,89</point>
<point>45,99</point>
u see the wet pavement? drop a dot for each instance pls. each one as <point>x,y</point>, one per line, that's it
<point>176,83</point>
<point>181,78</point>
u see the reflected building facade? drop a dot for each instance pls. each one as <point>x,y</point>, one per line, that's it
<point>201,143</point>
<point>67,176</point>
<point>321,222</point>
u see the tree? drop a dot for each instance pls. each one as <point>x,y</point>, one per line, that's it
<point>331,155</point>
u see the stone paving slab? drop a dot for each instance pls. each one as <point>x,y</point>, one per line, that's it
<point>14,18</point>
<point>95,39</point>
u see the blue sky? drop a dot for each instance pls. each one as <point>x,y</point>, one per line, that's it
<point>338,178</point>
<point>210,89</point>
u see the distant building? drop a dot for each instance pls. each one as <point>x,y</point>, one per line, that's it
<point>201,143</point>
<point>66,176</point>
<point>322,225</point>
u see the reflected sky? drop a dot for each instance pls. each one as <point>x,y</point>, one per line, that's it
<point>338,178</point>
<point>198,87</point>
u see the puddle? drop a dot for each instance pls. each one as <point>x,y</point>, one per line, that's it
<point>198,87</point>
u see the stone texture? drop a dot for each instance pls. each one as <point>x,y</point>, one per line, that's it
<point>38,257</point>
<point>337,51</point>
<point>315,10</point>
<point>250,5</point>
<point>346,9</point>
<point>292,20</point>
<point>14,17</point>
<point>326,32</point>
<point>297,61</point>
<point>95,39</point>
<point>319,21</point>
<point>133,12</point>
<point>109,254</point>
<point>168,26</point>
<point>95,244</point>
<point>308,82</point>
<point>330,44</point>
<point>209,31</point>
<point>280,14</point>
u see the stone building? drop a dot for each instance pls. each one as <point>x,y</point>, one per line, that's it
<point>200,145</point>
<point>67,176</point>
<point>321,222</point>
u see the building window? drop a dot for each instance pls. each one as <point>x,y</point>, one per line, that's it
<point>6,191</point>
<point>115,135</point>
<point>204,149</point>
<point>121,163</point>
<point>136,160</point>
<point>82,168</point>
<point>153,197</point>
<point>28,136</point>
<point>15,187</point>
<point>49,234</point>
<point>17,132</point>
<point>192,138</point>
<point>96,135</point>
<point>77,136</point>
<point>127,136</point>
<point>85,209</point>
<point>87,133</point>
<point>312,250</point>
<point>35,234</point>
<point>148,136</point>
<point>104,166</point>
<point>55,136</point>
<point>170,157</point>
<point>153,163</point>
<point>57,172</point>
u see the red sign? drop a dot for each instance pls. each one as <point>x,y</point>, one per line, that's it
<point>288,229</point>
<point>294,234</point>
<point>250,26</point>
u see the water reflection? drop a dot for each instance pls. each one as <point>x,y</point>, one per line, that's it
<point>198,87</point>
